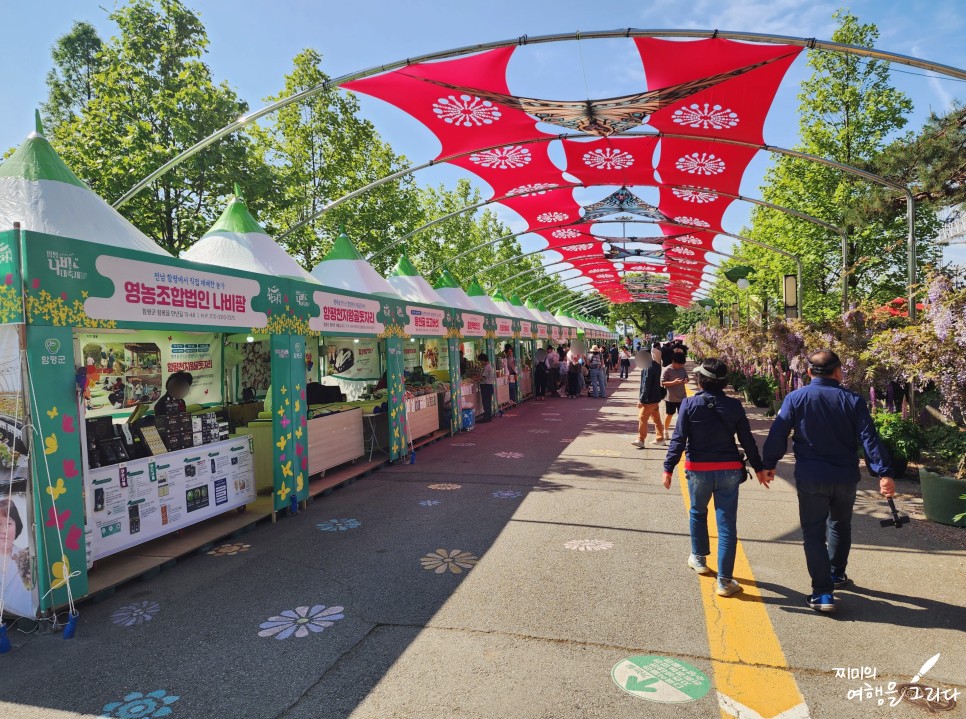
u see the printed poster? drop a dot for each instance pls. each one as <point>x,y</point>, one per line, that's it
<point>352,359</point>
<point>127,369</point>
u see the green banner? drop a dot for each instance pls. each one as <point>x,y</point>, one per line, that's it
<point>289,422</point>
<point>57,466</point>
<point>396,385</point>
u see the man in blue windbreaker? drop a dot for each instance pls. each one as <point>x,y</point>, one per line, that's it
<point>829,423</point>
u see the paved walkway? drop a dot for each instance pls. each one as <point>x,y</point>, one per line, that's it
<point>502,576</point>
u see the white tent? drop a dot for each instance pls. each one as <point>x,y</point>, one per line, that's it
<point>41,193</point>
<point>449,289</point>
<point>483,302</point>
<point>236,240</point>
<point>405,280</point>
<point>344,268</point>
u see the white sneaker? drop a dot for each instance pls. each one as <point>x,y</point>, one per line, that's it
<point>727,588</point>
<point>659,442</point>
<point>639,444</point>
<point>697,563</point>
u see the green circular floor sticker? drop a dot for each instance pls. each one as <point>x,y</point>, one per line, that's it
<point>660,679</point>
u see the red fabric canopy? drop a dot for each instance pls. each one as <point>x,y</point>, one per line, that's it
<point>513,169</point>
<point>612,161</point>
<point>461,121</point>
<point>703,163</point>
<point>735,108</point>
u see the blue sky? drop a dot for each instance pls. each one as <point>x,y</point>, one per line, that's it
<point>252,44</point>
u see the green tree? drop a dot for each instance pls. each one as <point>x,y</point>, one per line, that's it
<point>848,112</point>
<point>151,96</point>
<point>70,83</point>
<point>647,318</point>
<point>321,150</point>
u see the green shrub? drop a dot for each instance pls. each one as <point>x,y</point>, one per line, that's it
<point>903,437</point>
<point>945,447</point>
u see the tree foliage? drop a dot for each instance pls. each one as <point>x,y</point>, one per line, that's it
<point>321,150</point>
<point>70,83</point>
<point>149,97</point>
<point>848,112</point>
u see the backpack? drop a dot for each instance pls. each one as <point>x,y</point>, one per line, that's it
<point>594,362</point>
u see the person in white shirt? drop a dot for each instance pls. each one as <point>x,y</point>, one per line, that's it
<point>17,599</point>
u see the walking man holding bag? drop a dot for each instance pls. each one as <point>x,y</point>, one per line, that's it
<point>829,422</point>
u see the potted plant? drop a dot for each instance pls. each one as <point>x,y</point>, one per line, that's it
<point>943,476</point>
<point>902,437</point>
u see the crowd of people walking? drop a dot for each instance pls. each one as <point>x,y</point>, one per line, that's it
<point>829,425</point>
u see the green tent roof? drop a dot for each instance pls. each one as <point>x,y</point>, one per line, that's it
<point>343,249</point>
<point>35,159</point>
<point>499,296</point>
<point>516,301</point>
<point>237,218</point>
<point>404,268</point>
<point>446,281</point>
<point>475,289</point>
<point>530,304</point>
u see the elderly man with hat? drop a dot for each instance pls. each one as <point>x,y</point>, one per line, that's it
<point>829,423</point>
<point>596,373</point>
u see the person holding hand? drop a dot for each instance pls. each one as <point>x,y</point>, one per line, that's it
<point>829,422</point>
<point>705,432</point>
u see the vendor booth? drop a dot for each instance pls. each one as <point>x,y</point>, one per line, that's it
<point>107,322</point>
<point>506,325</point>
<point>472,328</point>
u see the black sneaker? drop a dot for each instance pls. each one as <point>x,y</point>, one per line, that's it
<point>842,581</point>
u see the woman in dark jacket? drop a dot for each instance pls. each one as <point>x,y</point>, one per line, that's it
<point>706,429</point>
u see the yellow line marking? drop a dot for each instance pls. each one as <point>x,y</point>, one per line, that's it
<point>751,673</point>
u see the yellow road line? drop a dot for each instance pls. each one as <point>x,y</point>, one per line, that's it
<point>751,674</point>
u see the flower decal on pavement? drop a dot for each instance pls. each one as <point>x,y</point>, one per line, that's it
<point>230,549</point>
<point>539,431</point>
<point>136,705</point>
<point>429,502</point>
<point>588,545</point>
<point>134,614</point>
<point>453,560</point>
<point>301,621</point>
<point>338,525</point>
<point>506,494</point>
<point>466,111</point>
<point>551,419</point>
<point>605,453</point>
<point>462,444</point>
<point>509,455</point>
<point>445,486</point>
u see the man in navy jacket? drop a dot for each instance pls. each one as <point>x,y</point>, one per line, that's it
<point>829,422</point>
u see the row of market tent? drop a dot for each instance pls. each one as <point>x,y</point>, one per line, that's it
<point>76,274</point>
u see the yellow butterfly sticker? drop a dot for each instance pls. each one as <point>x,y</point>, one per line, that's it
<point>281,444</point>
<point>50,444</point>
<point>287,469</point>
<point>298,405</point>
<point>283,492</point>
<point>57,489</point>
<point>298,387</point>
<point>52,413</point>
<point>299,482</point>
<point>298,433</point>
<point>287,403</point>
<point>60,571</point>
<point>281,411</point>
<point>284,389</point>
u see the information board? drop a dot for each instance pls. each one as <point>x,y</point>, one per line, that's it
<point>137,501</point>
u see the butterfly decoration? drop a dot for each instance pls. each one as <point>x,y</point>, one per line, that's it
<point>50,444</point>
<point>60,572</point>
<point>57,489</point>
<point>281,444</point>
<point>287,469</point>
<point>609,116</point>
<point>622,200</point>
<point>55,519</point>
<point>52,413</point>
<point>283,491</point>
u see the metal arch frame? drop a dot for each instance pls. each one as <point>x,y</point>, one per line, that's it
<point>743,198</point>
<point>848,169</point>
<point>810,43</point>
<point>693,228</point>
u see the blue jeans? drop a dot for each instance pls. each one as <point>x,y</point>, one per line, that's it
<point>597,383</point>
<point>723,485</point>
<point>825,511</point>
